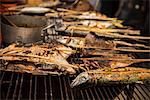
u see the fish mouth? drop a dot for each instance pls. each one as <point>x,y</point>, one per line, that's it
<point>80,79</point>
<point>74,83</point>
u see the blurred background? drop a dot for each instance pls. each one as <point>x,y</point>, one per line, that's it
<point>135,13</point>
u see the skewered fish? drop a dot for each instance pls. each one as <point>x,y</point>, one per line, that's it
<point>93,23</point>
<point>21,67</point>
<point>97,30</point>
<point>90,41</point>
<point>40,55</point>
<point>104,61</point>
<point>34,69</point>
<point>28,68</point>
<point>101,25</point>
<point>75,42</point>
<point>69,14</point>
<point>115,62</point>
<point>109,75</point>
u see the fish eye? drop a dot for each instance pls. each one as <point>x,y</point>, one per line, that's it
<point>83,78</point>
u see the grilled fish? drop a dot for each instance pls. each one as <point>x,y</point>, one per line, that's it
<point>109,75</point>
<point>40,55</point>
<point>75,42</point>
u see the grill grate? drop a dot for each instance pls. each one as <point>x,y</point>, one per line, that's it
<point>27,87</point>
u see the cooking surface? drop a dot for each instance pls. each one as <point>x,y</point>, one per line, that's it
<point>25,86</point>
<point>84,51</point>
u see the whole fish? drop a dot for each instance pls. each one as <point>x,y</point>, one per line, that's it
<point>109,75</point>
<point>56,55</point>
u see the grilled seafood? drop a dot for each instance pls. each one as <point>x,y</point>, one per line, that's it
<point>93,23</point>
<point>104,61</point>
<point>75,42</point>
<point>69,14</point>
<point>97,30</point>
<point>21,67</point>
<point>100,24</point>
<point>113,60</point>
<point>91,64</point>
<point>88,42</point>
<point>40,55</point>
<point>91,41</point>
<point>40,50</point>
<point>109,75</point>
<point>28,68</point>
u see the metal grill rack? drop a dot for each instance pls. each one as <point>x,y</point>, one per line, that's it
<point>18,86</point>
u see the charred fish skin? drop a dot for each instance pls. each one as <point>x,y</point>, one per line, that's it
<point>109,75</point>
<point>40,54</point>
<point>91,40</point>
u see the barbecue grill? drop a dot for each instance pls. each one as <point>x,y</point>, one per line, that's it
<point>27,87</point>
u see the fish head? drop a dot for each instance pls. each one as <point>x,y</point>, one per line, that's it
<point>80,79</point>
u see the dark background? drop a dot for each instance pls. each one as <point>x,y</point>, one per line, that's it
<point>136,13</point>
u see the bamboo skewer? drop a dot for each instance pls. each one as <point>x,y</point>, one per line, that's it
<point>83,47</point>
<point>65,13</point>
<point>48,60</point>
<point>114,59</point>
<point>105,54</point>
<point>116,49</point>
<point>110,35</point>
<point>114,41</point>
<point>130,37</point>
<point>98,30</point>
<point>17,49</point>
<point>130,44</point>
<point>131,50</point>
<point>71,11</point>
<point>89,18</point>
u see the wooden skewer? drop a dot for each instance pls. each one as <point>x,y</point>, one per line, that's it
<point>110,35</point>
<point>48,59</point>
<point>13,49</point>
<point>130,37</point>
<point>71,11</point>
<point>98,30</point>
<point>131,50</point>
<point>114,59</point>
<point>90,18</point>
<point>105,54</point>
<point>117,42</point>
<point>116,49</point>
<point>130,44</point>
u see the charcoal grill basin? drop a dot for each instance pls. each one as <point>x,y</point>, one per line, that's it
<point>27,87</point>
